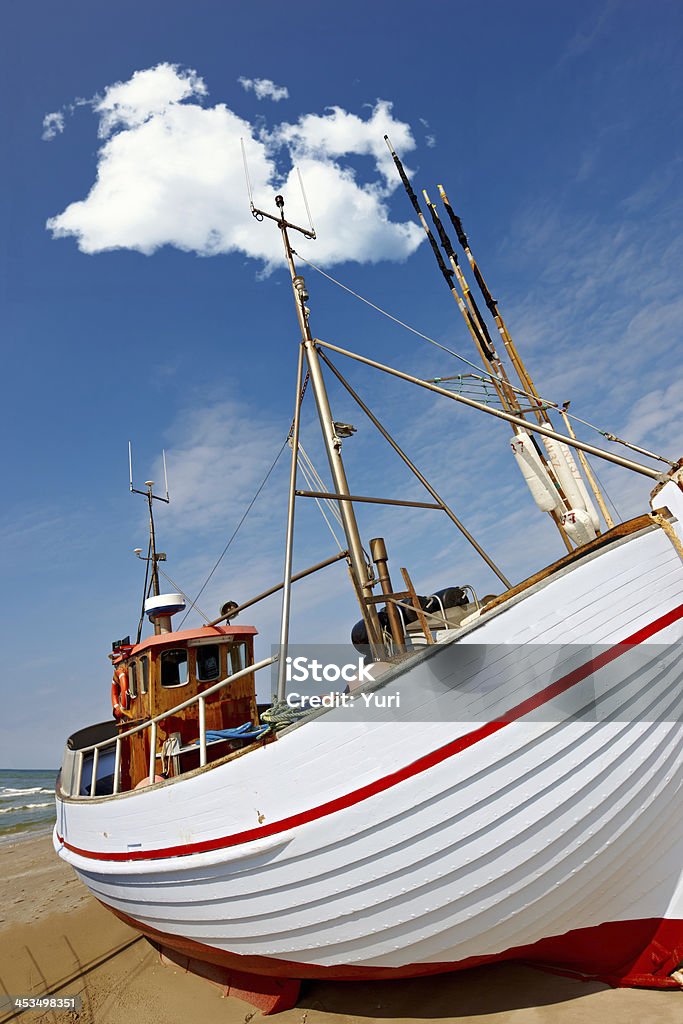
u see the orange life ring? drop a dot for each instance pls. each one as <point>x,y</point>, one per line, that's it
<point>120,698</point>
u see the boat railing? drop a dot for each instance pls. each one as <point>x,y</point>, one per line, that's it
<point>151,724</point>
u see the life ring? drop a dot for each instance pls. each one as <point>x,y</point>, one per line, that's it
<point>120,698</point>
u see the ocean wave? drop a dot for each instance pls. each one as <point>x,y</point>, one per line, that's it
<point>6,792</point>
<point>23,807</point>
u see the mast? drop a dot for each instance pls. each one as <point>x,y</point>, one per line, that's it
<point>153,556</point>
<point>149,484</point>
<point>361,573</point>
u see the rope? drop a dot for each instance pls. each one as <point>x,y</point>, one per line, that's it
<point>519,391</point>
<point>280,715</point>
<point>234,533</point>
<point>659,519</point>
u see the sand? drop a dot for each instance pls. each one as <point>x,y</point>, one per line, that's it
<point>56,938</point>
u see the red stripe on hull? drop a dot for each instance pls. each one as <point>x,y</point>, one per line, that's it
<point>422,764</point>
<point>635,954</point>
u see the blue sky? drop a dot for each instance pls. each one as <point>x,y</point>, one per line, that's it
<point>154,309</point>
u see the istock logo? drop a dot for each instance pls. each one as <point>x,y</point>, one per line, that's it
<point>310,670</point>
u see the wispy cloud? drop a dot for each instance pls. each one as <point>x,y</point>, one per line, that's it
<point>591,31</point>
<point>53,125</point>
<point>430,137</point>
<point>170,173</point>
<point>264,89</point>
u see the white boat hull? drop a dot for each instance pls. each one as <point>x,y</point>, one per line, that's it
<point>524,803</point>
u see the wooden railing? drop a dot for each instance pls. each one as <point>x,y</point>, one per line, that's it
<point>151,724</point>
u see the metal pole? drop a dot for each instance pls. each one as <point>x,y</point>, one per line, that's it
<point>152,750</point>
<point>95,762</point>
<point>413,468</point>
<point>538,428</point>
<point>289,540</point>
<point>117,766</point>
<point>153,544</point>
<point>333,496</point>
<point>332,444</point>
<point>378,553</point>
<point>278,586</point>
<point>202,731</point>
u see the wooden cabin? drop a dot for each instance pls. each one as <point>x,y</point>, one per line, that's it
<point>168,668</point>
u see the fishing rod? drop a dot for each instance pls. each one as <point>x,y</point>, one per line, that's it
<point>482,341</point>
<point>483,331</point>
<point>492,305</point>
<point>539,408</point>
<point>481,338</point>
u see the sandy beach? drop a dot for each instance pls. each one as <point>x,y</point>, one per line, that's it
<point>55,938</point>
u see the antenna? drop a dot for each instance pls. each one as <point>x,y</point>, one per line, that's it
<point>308,211</point>
<point>250,191</point>
<point>149,484</point>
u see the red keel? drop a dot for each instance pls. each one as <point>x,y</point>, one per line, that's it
<point>268,994</point>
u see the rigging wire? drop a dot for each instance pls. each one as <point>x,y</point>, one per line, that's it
<point>144,590</point>
<point>181,591</point>
<point>607,494</point>
<point>477,367</point>
<point>312,478</point>
<point>317,480</point>
<point>319,486</point>
<point>390,316</point>
<point>235,531</point>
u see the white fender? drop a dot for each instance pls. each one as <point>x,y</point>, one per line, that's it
<point>578,526</point>
<point>543,490</point>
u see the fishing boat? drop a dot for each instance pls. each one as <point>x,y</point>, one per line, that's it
<point>497,778</point>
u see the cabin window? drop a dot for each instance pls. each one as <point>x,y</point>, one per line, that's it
<point>208,663</point>
<point>173,667</point>
<point>237,658</point>
<point>133,679</point>
<point>144,675</point>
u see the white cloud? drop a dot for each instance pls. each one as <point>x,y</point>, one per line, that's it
<point>53,125</point>
<point>264,89</point>
<point>338,133</point>
<point>170,173</point>
<point>153,91</point>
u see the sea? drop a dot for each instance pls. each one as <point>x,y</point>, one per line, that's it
<point>27,801</point>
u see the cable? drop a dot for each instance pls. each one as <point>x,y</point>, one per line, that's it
<point>456,355</point>
<point>379,309</point>
<point>181,591</point>
<point>607,494</point>
<point>144,591</point>
<point>235,532</point>
<point>310,478</point>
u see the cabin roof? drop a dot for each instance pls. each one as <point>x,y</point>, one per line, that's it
<point>163,639</point>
